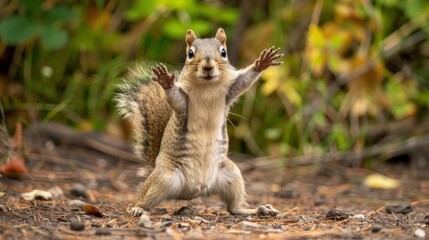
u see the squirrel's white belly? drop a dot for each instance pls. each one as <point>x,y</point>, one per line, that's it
<point>204,132</point>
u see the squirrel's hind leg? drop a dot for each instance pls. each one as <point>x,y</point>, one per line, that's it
<point>160,185</point>
<point>231,189</point>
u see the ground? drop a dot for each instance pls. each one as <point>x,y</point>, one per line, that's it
<point>321,201</point>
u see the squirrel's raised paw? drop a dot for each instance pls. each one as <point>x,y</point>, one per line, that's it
<point>266,59</point>
<point>266,210</point>
<point>138,211</point>
<point>163,77</point>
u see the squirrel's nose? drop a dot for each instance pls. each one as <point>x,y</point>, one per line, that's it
<point>207,68</point>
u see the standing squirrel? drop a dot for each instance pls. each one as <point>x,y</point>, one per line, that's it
<point>179,124</point>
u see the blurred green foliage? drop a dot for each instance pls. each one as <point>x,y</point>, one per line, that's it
<point>352,67</point>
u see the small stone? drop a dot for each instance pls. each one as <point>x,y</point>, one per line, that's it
<point>78,190</point>
<point>426,220</point>
<point>37,194</point>
<point>76,225</point>
<point>183,225</point>
<point>60,219</point>
<point>347,235</point>
<point>103,232</point>
<point>420,233</point>
<point>319,201</point>
<point>249,226</point>
<point>401,208</point>
<point>200,219</point>
<point>184,211</point>
<point>141,234</point>
<point>56,192</point>
<point>2,208</point>
<point>144,221</point>
<point>160,211</point>
<point>165,224</point>
<point>376,228</point>
<point>76,205</point>
<point>336,215</point>
<point>95,224</point>
<point>359,217</point>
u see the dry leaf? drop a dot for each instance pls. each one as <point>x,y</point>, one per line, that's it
<point>91,210</point>
<point>380,182</point>
<point>15,164</point>
<point>2,194</point>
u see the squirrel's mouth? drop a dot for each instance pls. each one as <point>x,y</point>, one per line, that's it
<point>208,77</point>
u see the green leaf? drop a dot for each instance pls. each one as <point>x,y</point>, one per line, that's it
<point>53,38</point>
<point>140,9</point>
<point>32,5</point>
<point>59,14</point>
<point>175,29</point>
<point>17,29</point>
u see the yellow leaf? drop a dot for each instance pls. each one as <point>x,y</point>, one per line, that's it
<point>379,181</point>
<point>289,90</point>
<point>272,78</point>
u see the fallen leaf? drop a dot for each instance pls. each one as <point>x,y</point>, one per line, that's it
<point>2,194</point>
<point>379,181</point>
<point>15,163</point>
<point>37,194</point>
<point>91,210</point>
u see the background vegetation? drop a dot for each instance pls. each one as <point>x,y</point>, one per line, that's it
<point>355,76</point>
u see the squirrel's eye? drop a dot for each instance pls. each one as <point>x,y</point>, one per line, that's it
<point>190,54</point>
<point>223,53</point>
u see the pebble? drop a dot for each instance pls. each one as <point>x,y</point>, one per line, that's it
<point>103,232</point>
<point>165,224</point>
<point>56,192</point>
<point>2,208</point>
<point>184,211</point>
<point>76,204</point>
<point>359,217</point>
<point>200,219</point>
<point>96,224</point>
<point>249,226</point>
<point>144,221</point>
<point>160,211</point>
<point>183,225</point>
<point>336,215</point>
<point>426,220</point>
<point>376,228</point>
<point>402,208</point>
<point>141,234</point>
<point>76,225</point>
<point>78,190</point>
<point>420,233</point>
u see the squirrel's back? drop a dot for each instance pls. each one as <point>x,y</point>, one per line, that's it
<point>142,102</point>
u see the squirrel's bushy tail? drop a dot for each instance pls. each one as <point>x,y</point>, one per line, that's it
<point>142,102</point>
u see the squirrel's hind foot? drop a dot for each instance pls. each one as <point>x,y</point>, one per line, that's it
<point>263,210</point>
<point>138,211</point>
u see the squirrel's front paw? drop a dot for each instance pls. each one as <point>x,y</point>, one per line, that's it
<point>266,59</point>
<point>163,77</point>
<point>138,211</point>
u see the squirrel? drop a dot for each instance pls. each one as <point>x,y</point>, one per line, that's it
<point>179,124</point>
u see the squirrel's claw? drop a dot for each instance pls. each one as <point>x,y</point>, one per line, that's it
<point>266,58</point>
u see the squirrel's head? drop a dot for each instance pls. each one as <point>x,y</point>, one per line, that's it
<point>206,58</point>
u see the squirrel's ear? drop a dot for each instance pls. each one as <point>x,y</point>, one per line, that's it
<point>190,37</point>
<point>221,36</point>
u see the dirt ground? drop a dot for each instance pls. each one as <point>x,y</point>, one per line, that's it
<point>322,201</point>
